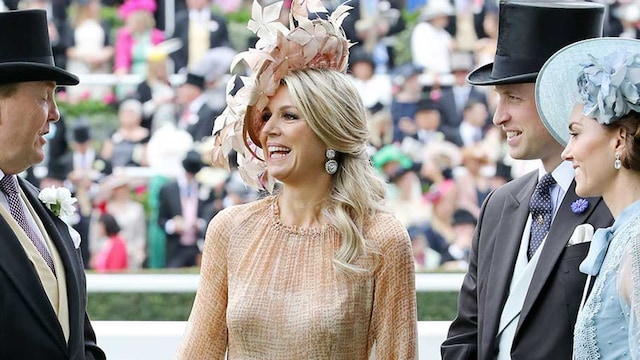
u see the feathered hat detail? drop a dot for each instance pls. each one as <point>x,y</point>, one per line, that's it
<point>319,43</point>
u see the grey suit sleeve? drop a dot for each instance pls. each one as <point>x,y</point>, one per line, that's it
<point>462,339</point>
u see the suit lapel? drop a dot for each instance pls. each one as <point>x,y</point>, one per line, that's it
<point>513,219</point>
<point>563,225</point>
<point>20,271</point>
<point>59,234</point>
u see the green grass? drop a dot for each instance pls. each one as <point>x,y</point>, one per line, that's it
<point>176,307</point>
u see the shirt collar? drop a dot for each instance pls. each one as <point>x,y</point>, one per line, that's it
<point>563,174</point>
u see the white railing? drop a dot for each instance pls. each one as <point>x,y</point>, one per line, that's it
<point>158,340</point>
<point>187,283</point>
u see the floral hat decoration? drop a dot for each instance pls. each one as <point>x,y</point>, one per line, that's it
<point>319,43</point>
<point>602,74</point>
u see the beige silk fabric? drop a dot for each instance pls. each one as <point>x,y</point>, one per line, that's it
<point>270,291</point>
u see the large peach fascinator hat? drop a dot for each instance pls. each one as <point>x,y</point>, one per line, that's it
<point>602,74</point>
<point>313,39</point>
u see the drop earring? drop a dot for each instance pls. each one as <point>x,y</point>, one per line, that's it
<point>331,166</point>
<point>617,164</point>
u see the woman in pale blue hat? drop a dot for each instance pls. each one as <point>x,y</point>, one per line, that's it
<point>588,95</point>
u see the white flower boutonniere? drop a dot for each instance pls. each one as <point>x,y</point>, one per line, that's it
<point>58,200</point>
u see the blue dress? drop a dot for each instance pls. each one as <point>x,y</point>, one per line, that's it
<point>607,325</point>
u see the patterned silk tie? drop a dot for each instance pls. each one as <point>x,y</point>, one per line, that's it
<point>541,209</point>
<point>9,185</point>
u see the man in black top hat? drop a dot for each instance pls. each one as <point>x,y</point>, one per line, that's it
<point>520,298</point>
<point>42,281</point>
<point>196,115</point>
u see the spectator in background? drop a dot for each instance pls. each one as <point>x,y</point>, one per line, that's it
<point>156,93</point>
<point>406,92</point>
<point>485,47</point>
<point>474,121</point>
<point>127,145</point>
<point>113,253</point>
<point>628,15</point>
<point>439,230</point>
<point>425,258</point>
<point>199,29</point>
<point>236,192</point>
<point>115,197</point>
<point>215,68</point>
<point>461,64</point>
<point>375,90</point>
<point>472,178</point>
<point>185,210</point>
<point>426,123</point>
<point>371,25</point>
<point>404,189</point>
<point>91,51</point>
<point>431,43</point>
<point>134,40</point>
<point>196,115</point>
<point>83,170</point>
<point>463,224</point>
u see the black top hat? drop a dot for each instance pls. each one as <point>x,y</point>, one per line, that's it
<point>25,51</point>
<point>360,55</point>
<point>195,80</point>
<point>81,134</point>
<point>192,162</point>
<point>57,169</point>
<point>427,104</point>
<point>530,32</point>
<point>462,216</point>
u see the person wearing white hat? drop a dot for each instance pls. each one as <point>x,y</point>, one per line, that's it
<point>431,44</point>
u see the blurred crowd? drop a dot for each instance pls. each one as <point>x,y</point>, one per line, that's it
<point>146,190</point>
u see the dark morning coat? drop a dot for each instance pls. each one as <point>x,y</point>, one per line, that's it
<point>545,328</point>
<point>29,328</point>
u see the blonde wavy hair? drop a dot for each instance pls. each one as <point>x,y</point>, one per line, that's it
<point>334,111</point>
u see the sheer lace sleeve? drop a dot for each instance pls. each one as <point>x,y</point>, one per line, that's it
<point>629,286</point>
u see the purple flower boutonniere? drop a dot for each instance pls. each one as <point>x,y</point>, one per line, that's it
<point>579,206</point>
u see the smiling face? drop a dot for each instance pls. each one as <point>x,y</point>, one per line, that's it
<point>591,149</point>
<point>294,153</point>
<point>25,115</point>
<point>517,115</point>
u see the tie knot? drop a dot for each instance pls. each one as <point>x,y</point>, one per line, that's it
<point>545,183</point>
<point>9,185</point>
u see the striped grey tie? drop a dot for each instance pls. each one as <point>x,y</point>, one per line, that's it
<point>9,185</point>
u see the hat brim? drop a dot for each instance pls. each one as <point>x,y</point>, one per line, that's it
<point>557,86</point>
<point>482,77</point>
<point>16,72</point>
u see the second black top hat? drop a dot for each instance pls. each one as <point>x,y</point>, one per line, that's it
<point>530,32</point>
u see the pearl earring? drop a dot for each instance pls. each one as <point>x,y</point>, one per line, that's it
<point>617,164</point>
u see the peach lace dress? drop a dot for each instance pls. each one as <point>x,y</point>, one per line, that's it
<point>270,291</point>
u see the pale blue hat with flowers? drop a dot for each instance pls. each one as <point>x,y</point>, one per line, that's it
<point>603,74</point>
